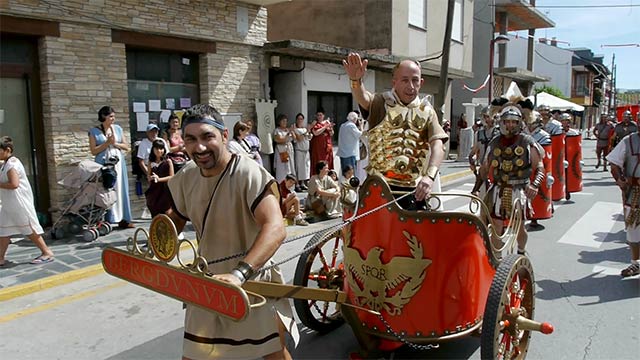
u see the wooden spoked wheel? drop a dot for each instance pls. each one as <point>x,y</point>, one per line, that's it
<point>321,267</point>
<point>511,295</point>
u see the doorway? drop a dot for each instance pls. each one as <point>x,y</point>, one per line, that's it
<point>335,105</point>
<point>21,114</point>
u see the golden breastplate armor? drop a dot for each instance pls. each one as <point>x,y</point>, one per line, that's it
<point>511,164</point>
<point>398,149</point>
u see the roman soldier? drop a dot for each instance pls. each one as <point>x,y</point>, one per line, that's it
<point>603,132</point>
<point>549,124</point>
<point>625,127</point>
<point>483,135</point>
<point>626,172</point>
<point>511,158</point>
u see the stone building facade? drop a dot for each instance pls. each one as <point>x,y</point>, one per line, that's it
<point>80,61</point>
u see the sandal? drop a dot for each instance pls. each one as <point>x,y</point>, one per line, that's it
<point>633,269</point>
<point>41,260</point>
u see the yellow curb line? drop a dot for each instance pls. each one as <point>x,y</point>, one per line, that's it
<point>13,292</point>
<point>455,176</point>
<point>62,301</point>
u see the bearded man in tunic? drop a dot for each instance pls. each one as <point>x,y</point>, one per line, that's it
<point>406,141</point>
<point>233,204</point>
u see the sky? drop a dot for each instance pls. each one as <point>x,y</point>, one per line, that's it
<point>593,27</point>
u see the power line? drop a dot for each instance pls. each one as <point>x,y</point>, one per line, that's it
<point>549,61</point>
<point>574,6</point>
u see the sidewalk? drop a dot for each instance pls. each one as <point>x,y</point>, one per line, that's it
<point>76,259</point>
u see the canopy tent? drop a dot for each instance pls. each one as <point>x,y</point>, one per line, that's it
<point>554,102</point>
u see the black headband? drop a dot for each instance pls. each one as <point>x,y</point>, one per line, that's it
<point>202,120</point>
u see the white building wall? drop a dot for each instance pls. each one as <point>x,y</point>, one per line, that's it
<point>549,61</point>
<point>291,88</point>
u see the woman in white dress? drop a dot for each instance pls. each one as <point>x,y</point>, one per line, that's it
<point>302,135</point>
<point>284,161</point>
<point>17,213</point>
<point>239,145</point>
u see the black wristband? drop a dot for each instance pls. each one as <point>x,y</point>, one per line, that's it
<point>246,270</point>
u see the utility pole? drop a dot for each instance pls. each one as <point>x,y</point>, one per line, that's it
<point>612,84</point>
<point>444,64</point>
<point>615,89</point>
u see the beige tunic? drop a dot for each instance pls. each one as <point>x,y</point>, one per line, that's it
<point>228,202</point>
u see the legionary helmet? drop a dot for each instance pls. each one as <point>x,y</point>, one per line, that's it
<point>535,121</point>
<point>626,114</point>
<point>542,108</point>
<point>510,112</point>
<point>516,108</point>
<point>486,111</point>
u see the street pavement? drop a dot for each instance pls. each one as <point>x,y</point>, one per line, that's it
<point>76,259</point>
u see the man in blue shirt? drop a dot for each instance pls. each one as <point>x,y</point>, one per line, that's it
<point>349,141</point>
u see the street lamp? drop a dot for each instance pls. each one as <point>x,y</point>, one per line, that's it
<point>500,39</point>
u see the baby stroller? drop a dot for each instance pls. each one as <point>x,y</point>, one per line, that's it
<point>84,214</point>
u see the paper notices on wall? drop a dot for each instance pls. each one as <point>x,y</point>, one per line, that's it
<point>185,102</point>
<point>142,120</point>
<point>171,103</point>
<point>139,107</point>
<point>154,105</point>
<point>164,116</point>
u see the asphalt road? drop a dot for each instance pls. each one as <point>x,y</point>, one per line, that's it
<point>576,261</point>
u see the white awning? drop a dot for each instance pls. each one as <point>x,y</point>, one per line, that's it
<point>554,102</point>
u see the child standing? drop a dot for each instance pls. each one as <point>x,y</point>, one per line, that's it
<point>160,171</point>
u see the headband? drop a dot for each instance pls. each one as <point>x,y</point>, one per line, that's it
<point>197,119</point>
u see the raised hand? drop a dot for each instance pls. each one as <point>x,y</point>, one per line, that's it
<point>355,66</point>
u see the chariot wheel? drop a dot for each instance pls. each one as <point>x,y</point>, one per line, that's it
<point>321,267</point>
<point>511,294</point>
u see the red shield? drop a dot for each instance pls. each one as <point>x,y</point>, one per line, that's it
<point>574,157</point>
<point>542,202</point>
<point>557,169</point>
<point>426,272</point>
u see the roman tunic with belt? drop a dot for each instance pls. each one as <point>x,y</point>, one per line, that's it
<point>399,137</point>
<point>221,209</point>
<point>604,132</point>
<point>626,155</point>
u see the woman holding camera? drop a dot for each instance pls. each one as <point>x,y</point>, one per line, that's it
<point>107,143</point>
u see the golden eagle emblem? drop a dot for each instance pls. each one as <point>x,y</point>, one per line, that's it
<point>387,286</point>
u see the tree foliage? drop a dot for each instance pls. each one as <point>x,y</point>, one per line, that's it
<point>551,90</point>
